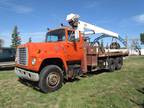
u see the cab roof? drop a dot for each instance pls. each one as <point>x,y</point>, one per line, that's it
<point>63,27</point>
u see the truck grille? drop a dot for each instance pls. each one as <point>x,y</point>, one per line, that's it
<point>22,56</point>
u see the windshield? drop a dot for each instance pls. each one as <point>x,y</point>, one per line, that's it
<point>55,35</point>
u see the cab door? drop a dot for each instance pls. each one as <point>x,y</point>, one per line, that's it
<point>74,46</point>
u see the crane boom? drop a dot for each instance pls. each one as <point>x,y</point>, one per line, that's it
<point>86,26</point>
<point>83,27</point>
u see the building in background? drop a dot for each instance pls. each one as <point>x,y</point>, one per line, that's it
<point>7,57</point>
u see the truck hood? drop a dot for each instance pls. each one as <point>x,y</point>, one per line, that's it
<point>36,49</point>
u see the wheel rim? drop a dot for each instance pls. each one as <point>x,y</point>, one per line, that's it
<point>53,79</point>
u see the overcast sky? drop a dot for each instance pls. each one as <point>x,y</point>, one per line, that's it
<point>33,17</point>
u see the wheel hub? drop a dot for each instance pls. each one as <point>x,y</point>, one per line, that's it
<point>53,79</point>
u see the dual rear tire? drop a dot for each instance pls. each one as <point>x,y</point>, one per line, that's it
<point>118,63</point>
<point>115,63</point>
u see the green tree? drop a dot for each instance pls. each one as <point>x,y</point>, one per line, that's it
<point>16,40</point>
<point>135,44</point>
<point>142,38</point>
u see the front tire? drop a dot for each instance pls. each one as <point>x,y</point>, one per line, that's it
<point>51,78</point>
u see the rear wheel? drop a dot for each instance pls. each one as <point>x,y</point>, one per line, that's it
<point>51,78</point>
<point>111,64</point>
<point>119,63</point>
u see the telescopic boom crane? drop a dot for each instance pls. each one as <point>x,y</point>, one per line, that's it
<point>87,28</point>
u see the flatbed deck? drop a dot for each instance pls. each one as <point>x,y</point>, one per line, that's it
<point>110,54</point>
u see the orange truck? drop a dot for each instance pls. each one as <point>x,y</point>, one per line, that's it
<point>62,55</point>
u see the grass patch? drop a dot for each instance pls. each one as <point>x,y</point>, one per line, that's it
<point>119,89</point>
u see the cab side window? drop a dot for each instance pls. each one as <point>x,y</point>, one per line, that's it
<point>71,36</point>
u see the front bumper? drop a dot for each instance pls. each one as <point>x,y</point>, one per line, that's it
<point>26,74</point>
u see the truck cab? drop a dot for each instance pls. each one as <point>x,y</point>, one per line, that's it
<point>59,50</point>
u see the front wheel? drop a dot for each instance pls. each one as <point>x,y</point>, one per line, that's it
<point>51,78</point>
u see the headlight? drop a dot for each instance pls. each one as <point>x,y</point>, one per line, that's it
<point>33,61</point>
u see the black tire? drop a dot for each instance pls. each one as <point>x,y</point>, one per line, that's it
<point>51,78</point>
<point>111,64</point>
<point>119,63</point>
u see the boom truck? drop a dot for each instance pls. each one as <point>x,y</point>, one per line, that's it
<point>66,53</point>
